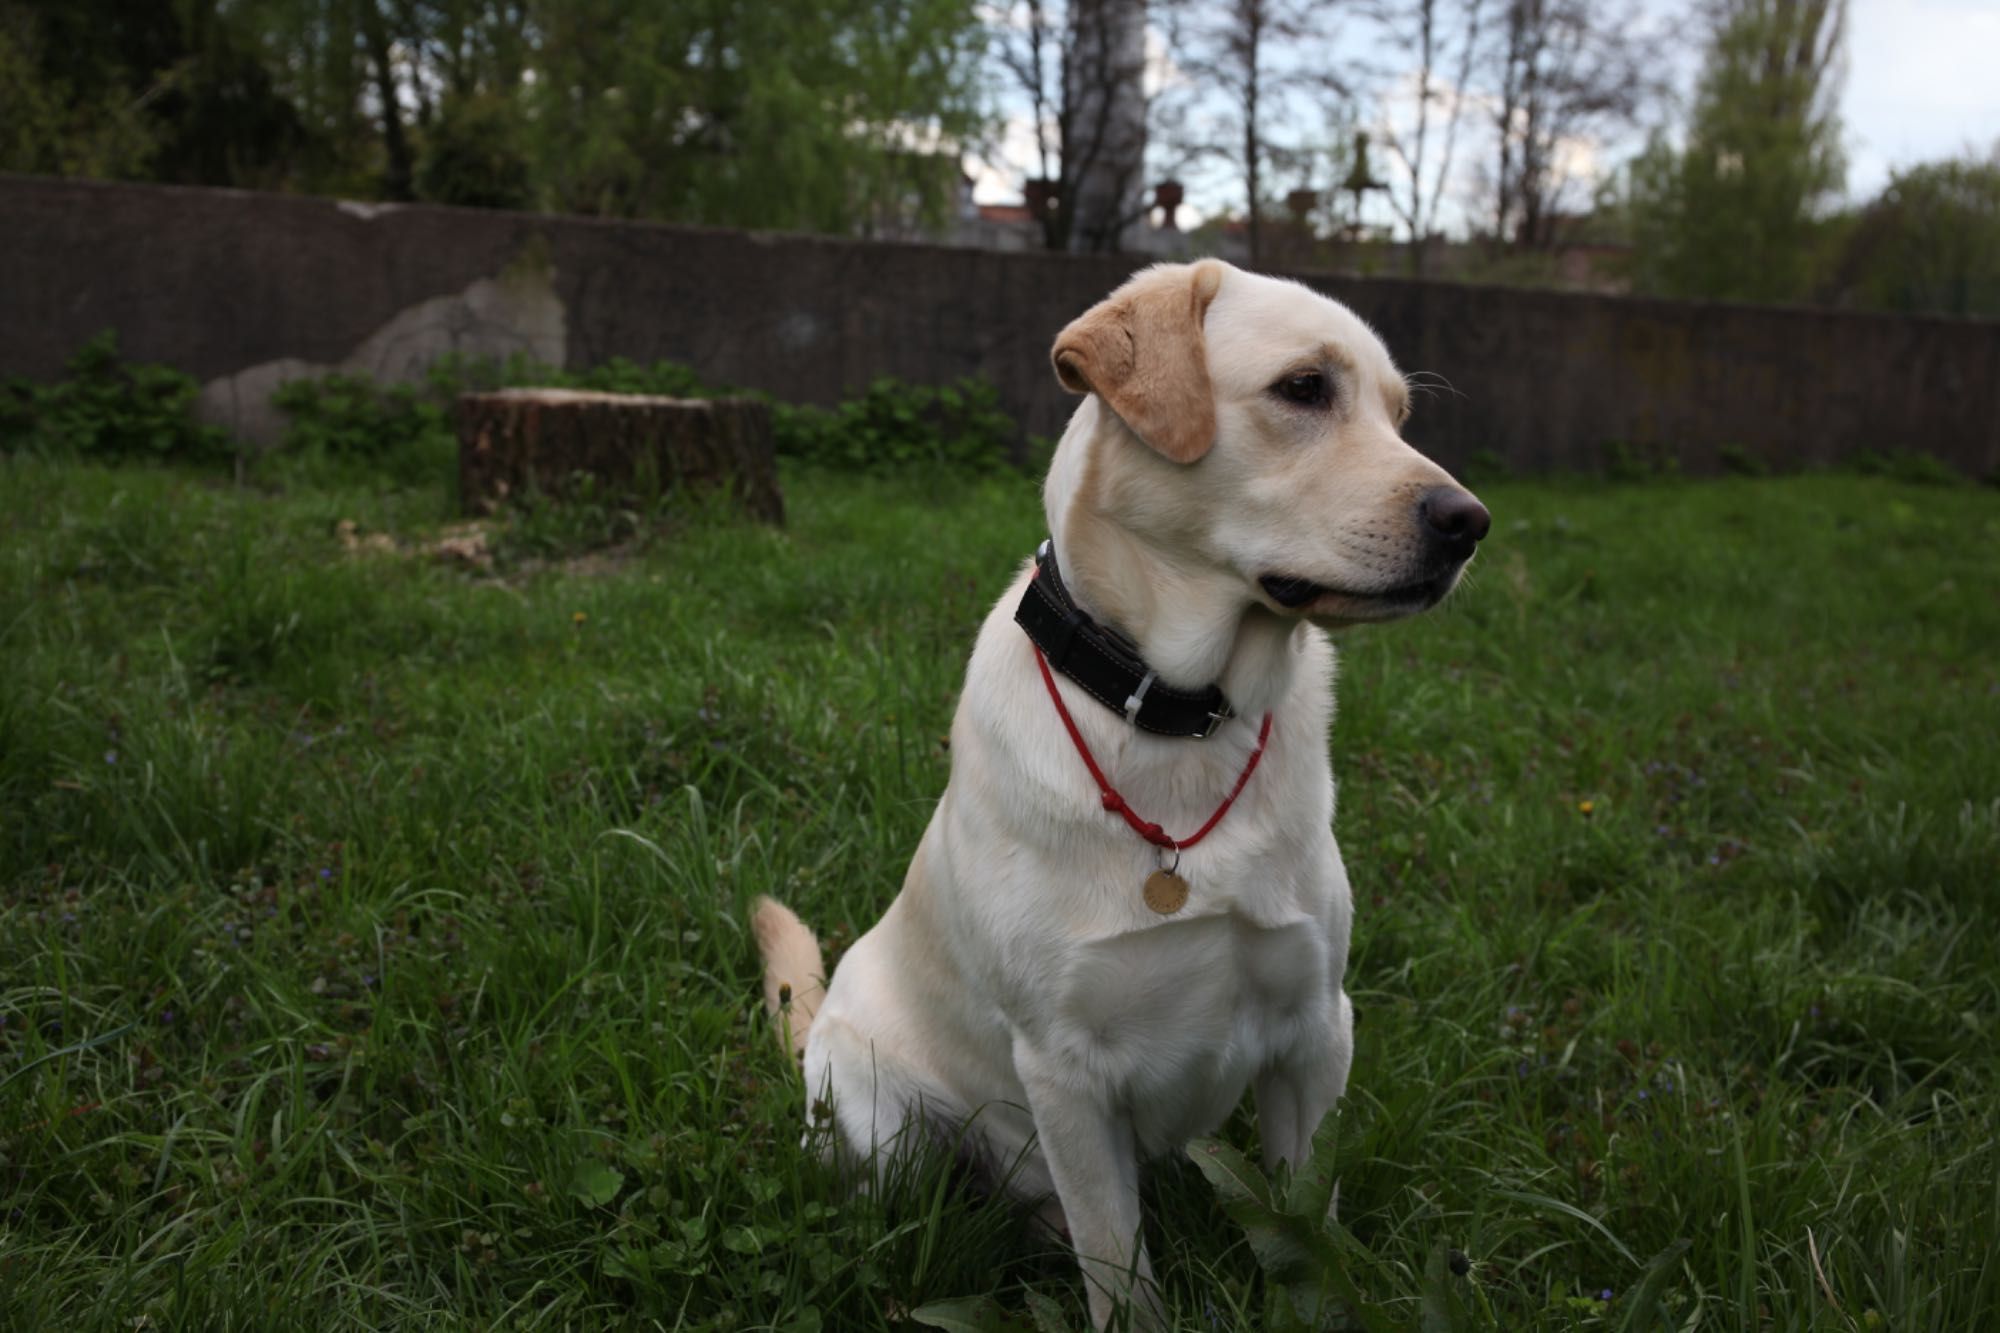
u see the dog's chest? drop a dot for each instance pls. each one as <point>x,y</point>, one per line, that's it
<point>1181,1015</point>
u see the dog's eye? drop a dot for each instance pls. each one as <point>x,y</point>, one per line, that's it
<point>1307,388</point>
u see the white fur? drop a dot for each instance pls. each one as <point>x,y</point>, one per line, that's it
<point>1019,981</point>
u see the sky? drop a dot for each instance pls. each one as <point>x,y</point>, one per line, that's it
<point>1921,84</point>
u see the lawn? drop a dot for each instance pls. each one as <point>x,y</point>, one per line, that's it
<point>372,946</point>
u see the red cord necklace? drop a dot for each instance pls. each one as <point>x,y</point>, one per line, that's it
<point>1166,891</point>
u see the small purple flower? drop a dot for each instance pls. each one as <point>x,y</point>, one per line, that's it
<point>167,1017</point>
<point>1642,1094</point>
<point>1604,1295</point>
<point>1521,1071</point>
<point>111,756</point>
<point>326,872</point>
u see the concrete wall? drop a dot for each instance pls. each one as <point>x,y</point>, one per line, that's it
<point>243,290</point>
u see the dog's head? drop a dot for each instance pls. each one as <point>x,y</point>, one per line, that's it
<point>1264,421</point>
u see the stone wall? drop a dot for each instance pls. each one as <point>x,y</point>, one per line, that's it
<point>245,290</point>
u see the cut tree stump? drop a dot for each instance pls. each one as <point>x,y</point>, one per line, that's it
<point>515,441</point>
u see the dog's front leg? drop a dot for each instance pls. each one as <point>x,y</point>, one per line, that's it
<point>1297,1090</point>
<point>1095,1166</point>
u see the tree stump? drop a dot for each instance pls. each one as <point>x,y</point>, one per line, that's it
<point>517,441</point>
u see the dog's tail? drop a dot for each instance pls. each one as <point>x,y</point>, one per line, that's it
<point>794,975</point>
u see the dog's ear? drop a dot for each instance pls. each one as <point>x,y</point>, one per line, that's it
<point>1141,350</point>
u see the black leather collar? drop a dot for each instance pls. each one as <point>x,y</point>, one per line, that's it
<point>1107,664</point>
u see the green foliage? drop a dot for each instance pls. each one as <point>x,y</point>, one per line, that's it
<point>1906,465</point>
<point>666,379</point>
<point>1311,1266</point>
<point>474,155</point>
<point>1929,244</point>
<point>108,409</point>
<point>893,426</point>
<point>168,91</point>
<point>395,430</point>
<point>1625,460</point>
<point>1485,465</point>
<point>1741,461</point>
<point>797,114</point>
<point>890,427</point>
<point>1732,215</point>
<point>49,127</point>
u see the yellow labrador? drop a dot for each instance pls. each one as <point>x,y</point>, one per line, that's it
<point>1066,970</point>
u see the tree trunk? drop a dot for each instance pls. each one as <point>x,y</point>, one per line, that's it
<point>1252,145</point>
<point>1104,142</point>
<point>396,182</point>
<point>517,441</point>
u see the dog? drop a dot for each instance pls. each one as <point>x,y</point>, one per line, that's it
<point>1069,978</point>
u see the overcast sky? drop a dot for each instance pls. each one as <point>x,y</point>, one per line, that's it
<point>1923,82</point>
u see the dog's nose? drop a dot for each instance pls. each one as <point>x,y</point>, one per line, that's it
<point>1454,519</point>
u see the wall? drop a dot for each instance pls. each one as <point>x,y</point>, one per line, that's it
<point>243,290</point>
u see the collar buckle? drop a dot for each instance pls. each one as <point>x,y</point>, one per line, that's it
<point>1137,699</point>
<point>1107,665</point>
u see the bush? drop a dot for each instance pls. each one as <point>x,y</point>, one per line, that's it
<point>1628,461</point>
<point>894,425</point>
<point>397,430</point>
<point>108,409</point>
<point>352,416</point>
<point>470,156</point>
<point>1904,465</point>
<point>890,427</point>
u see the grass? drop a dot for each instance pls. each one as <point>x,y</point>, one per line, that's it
<point>372,946</point>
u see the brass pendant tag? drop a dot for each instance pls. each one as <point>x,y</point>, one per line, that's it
<point>1166,892</point>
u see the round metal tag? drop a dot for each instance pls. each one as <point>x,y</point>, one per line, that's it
<point>1166,892</point>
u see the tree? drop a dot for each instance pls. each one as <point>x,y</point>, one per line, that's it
<point>1732,215</point>
<point>49,127</point>
<point>842,115</point>
<point>1929,243</point>
<point>174,92</point>
<point>474,154</point>
<point>1235,49</point>
<point>1561,75</point>
<point>787,113</point>
<point>1081,67</point>
<point>1439,39</point>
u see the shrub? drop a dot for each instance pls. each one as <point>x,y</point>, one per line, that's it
<point>108,409</point>
<point>1740,461</point>
<point>894,425</point>
<point>1905,465</point>
<point>470,156</point>
<point>890,427</point>
<point>397,430</point>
